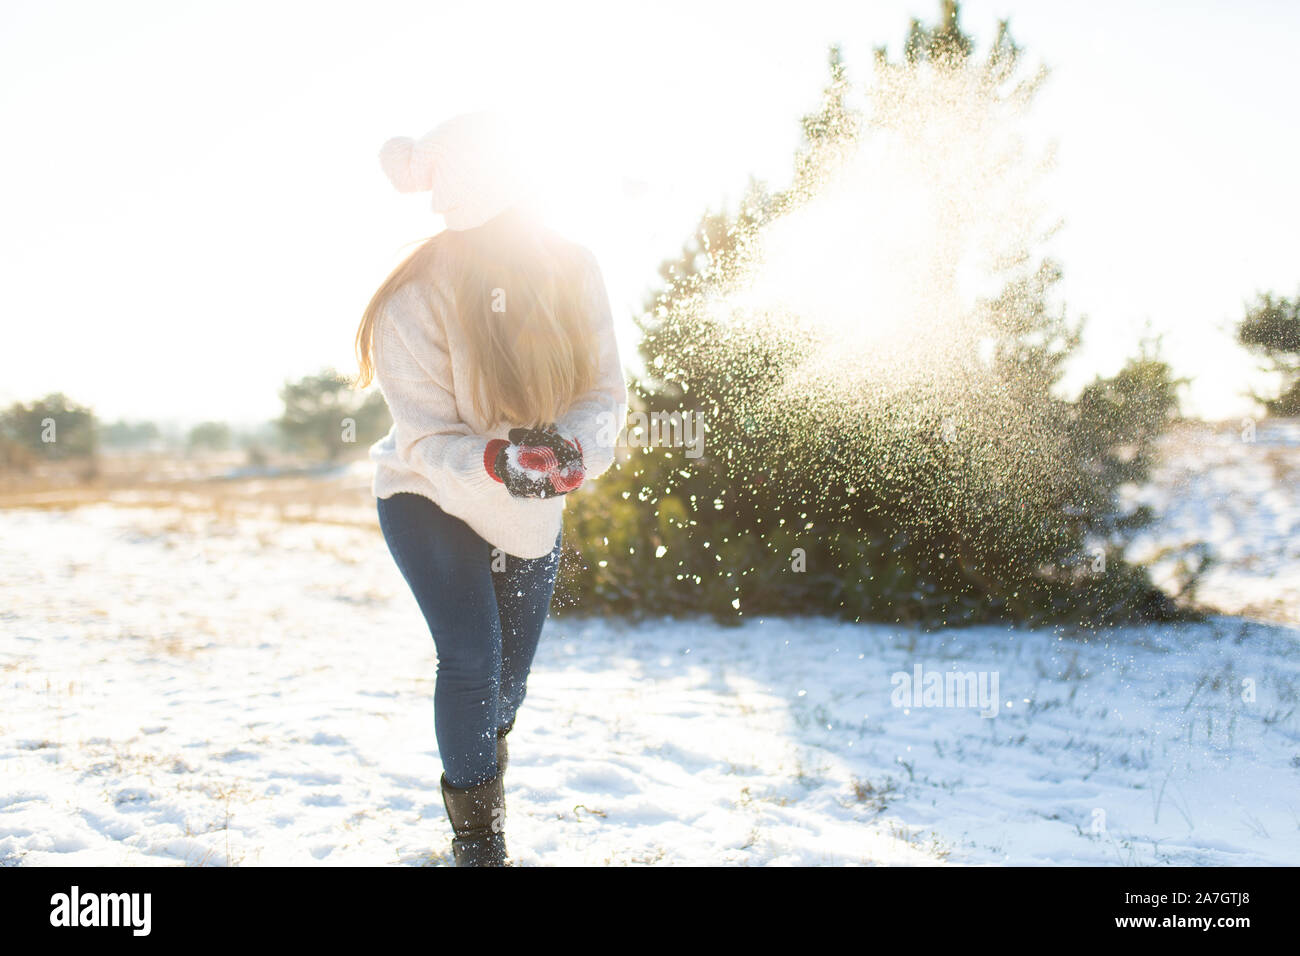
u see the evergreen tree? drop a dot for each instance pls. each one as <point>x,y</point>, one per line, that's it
<point>51,428</point>
<point>874,504</point>
<point>209,436</point>
<point>1271,328</point>
<point>324,416</point>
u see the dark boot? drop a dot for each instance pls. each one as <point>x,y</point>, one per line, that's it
<point>477,817</point>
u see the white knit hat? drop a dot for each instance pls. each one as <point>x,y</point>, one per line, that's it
<point>468,162</point>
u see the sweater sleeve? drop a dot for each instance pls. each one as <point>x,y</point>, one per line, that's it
<point>597,417</point>
<point>413,370</point>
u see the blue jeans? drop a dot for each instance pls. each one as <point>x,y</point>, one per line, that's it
<point>485,625</point>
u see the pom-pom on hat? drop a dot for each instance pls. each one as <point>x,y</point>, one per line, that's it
<point>468,163</point>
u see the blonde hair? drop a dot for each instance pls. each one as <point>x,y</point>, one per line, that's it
<point>519,305</point>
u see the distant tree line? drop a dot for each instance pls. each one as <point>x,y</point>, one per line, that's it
<point>323,420</point>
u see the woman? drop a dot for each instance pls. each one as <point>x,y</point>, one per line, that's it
<point>494,347</point>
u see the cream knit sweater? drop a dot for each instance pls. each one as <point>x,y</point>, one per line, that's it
<point>436,445</point>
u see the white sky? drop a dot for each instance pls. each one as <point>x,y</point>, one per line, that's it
<point>191,208</point>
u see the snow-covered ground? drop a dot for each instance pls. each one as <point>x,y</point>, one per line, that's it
<point>1237,490</point>
<point>188,687</point>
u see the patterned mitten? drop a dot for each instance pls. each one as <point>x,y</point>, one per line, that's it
<point>536,462</point>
